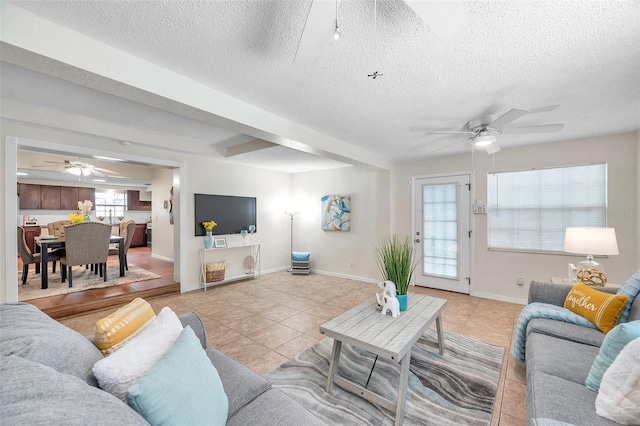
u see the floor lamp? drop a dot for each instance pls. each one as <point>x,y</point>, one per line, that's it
<point>291,215</point>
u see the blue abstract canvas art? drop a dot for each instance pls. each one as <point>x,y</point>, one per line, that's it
<point>336,213</point>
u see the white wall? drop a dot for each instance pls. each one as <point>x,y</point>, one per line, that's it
<point>272,189</point>
<point>349,254</point>
<point>494,273</point>
<point>637,212</point>
<point>162,232</point>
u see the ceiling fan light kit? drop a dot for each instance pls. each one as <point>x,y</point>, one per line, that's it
<point>484,139</point>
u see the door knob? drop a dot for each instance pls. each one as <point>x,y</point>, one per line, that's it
<point>417,240</point>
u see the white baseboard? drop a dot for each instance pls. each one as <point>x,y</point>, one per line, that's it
<point>157,256</point>
<point>349,277</point>
<point>500,298</point>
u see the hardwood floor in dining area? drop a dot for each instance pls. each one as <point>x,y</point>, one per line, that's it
<point>72,304</point>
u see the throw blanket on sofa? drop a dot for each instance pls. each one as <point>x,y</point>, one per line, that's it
<point>541,310</point>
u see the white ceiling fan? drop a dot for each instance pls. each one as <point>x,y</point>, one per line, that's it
<point>78,168</point>
<point>445,18</point>
<point>482,130</point>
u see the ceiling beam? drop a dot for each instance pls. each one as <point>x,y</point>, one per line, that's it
<point>247,147</point>
<point>32,42</point>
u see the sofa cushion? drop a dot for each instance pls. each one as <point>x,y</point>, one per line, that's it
<point>555,398</point>
<point>288,412</point>
<point>29,333</point>
<point>115,330</point>
<point>159,395</point>
<point>35,394</point>
<point>566,331</point>
<point>601,309</point>
<point>631,289</point>
<point>241,384</point>
<point>122,368</point>
<point>558,357</point>
<point>619,395</point>
<point>612,344</point>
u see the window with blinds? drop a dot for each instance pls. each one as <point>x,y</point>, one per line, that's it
<point>529,210</point>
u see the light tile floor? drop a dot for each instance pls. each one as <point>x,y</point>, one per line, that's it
<point>264,322</point>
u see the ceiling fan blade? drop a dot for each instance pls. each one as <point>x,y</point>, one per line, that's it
<point>544,128</point>
<point>447,146</point>
<point>452,133</point>
<point>543,109</point>
<point>445,18</point>
<point>100,169</point>
<point>322,16</point>
<point>508,117</point>
<point>50,166</point>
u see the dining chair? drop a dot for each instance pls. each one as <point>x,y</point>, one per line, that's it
<point>57,228</point>
<point>86,243</point>
<point>127,229</point>
<point>28,257</point>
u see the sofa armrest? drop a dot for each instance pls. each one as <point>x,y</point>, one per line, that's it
<point>197,326</point>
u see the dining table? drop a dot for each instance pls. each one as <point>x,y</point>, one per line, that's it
<point>46,242</point>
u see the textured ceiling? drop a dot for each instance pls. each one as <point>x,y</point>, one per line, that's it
<point>581,55</point>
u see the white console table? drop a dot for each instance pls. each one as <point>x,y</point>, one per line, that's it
<point>234,257</point>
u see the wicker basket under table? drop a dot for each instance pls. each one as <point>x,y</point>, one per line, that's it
<point>215,272</point>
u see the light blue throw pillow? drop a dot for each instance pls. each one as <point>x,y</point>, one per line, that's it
<point>182,388</point>
<point>630,289</point>
<point>612,344</point>
<point>300,256</point>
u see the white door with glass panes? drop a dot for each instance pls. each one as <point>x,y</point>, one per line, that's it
<point>442,232</point>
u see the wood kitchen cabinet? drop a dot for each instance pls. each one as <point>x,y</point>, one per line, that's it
<point>29,196</point>
<point>133,200</point>
<point>69,198</point>
<point>30,232</point>
<point>87,194</point>
<point>134,203</point>
<point>139,236</point>
<point>50,197</point>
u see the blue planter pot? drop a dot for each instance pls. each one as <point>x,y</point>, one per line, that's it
<point>402,299</point>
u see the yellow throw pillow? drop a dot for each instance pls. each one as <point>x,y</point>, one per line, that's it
<point>113,331</point>
<point>600,308</point>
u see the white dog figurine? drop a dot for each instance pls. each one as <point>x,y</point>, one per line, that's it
<point>390,304</point>
<point>388,287</point>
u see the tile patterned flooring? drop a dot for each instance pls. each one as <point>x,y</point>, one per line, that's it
<point>264,322</point>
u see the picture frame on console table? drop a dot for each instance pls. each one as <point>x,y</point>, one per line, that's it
<point>219,242</point>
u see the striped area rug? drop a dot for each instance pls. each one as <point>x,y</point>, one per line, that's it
<point>458,388</point>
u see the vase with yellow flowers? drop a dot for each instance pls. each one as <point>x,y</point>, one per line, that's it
<point>208,227</point>
<point>82,215</point>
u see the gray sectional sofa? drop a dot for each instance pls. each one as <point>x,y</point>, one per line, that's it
<point>559,356</point>
<point>46,378</point>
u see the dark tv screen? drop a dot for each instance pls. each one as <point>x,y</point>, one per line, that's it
<point>232,214</point>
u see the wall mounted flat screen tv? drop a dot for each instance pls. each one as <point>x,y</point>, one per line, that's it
<point>232,214</point>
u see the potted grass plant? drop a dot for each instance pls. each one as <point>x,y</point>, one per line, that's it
<point>394,256</point>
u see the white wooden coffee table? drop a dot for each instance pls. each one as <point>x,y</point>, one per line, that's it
<point>364,327</point>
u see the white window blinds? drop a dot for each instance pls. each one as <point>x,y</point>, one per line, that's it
<point>529,210</point>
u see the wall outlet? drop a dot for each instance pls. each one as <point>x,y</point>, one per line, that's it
<point>520,281</point>
<point>352,265</point>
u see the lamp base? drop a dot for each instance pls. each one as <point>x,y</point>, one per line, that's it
<point>591,273</point>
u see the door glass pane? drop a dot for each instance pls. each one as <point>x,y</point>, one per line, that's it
<point>440,230</point>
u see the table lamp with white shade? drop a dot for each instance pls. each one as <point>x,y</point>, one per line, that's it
<point>591,241</point>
